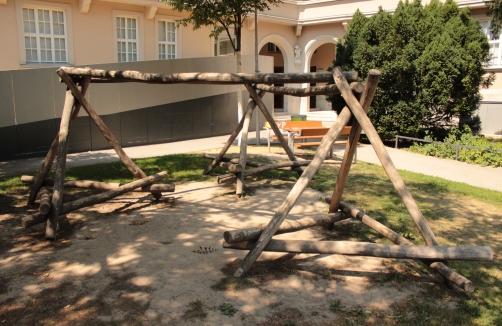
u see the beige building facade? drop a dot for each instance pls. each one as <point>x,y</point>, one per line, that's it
<point>300,35</point>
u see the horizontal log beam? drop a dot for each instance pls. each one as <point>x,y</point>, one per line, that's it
<point>226,178</point>
<point>309,91</point>
<point>479,253</point>
<point>206,77</point>
<point>89,184</point>
<point>287,226</point>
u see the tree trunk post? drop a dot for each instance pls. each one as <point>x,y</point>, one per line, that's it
<point>51,154</point>
<point>239,188</point>
<point>355,132</point>
<point>233,136</point>
<point>385,159</point>
<point>57,193</point>
<point>297,190</point>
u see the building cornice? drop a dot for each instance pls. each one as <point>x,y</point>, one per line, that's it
<point>297,21</point>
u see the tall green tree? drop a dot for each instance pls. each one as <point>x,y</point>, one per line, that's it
<point>432,61</point>
<point>224,16</point>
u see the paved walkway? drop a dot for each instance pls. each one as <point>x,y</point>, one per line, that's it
<point>484,177</point>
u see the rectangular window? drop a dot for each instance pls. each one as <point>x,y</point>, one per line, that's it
<point>495,44</point>
<point>273,48</point>
<point>45,39</point>
<point>223,46</point>
<point>127,39</point>
<point>167,40</point>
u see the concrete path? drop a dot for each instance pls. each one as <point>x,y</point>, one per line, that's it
<point>484,177</point>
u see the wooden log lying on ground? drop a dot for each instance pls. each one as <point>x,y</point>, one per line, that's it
<point>32,220</point>
<point>66,208</point>
<point>232,167</point>
<point>45,200</point>
<point>89,184</point>
<point>309,91</point>
<point>287,226</point>
<point>207,77</point>
<point>226,178</point>
<point>99,198</point>
<point>475,253</point>
<point>448,273</point>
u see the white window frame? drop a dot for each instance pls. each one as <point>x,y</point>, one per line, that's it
<point>496,55</point>
<point>178,42</point>
<point>223,37</point>
<point>139,34</point>
<point>68,25</point>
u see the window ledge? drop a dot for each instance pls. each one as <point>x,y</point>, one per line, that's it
<point>33,65</point>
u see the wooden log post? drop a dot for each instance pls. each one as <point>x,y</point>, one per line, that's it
<point>251,105</point>
<point>295,193</point>
<point>272,123</point>
<point>89,184</point>
<point>45,201</point>
<point>57,192</point>
<point>368,249</point>
<point>69,207</point>
<point>445,271</point>
<point>385,159</point>
<point>131,166</point>
<point>239,188</point>
<point>287,226</point>
<point>355,132</point>
<point>51,154</point>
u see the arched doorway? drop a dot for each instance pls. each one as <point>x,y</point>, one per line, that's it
<point>319,56</point>
<point>273,50</point>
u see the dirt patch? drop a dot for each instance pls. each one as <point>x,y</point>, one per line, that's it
<point>136,262</point>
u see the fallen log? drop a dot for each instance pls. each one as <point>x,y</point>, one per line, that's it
<point>99,198</point>
<point>236,236</point>
<point>31,220</point>
<point>441,268</point>
<point>89,184</point>
<point>45,200</point>
<point>226,178</point>
<point>476,253</point>
<point>66,208</point>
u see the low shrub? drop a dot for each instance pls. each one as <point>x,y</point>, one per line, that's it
<point>485,156</point>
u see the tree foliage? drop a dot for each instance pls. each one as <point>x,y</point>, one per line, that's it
<point>221,15</point>
<point>495,11</point>
<point>432,61</point>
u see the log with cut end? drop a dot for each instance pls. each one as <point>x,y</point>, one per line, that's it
<point>232,167</point>
<point>479,253</point>
<point>45,201</point>
<point>32,220</point>
<point>89,184</point>
<point>100,198</point>
<point>287,226</point>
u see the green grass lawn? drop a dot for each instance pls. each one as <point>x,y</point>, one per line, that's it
<point>459,214</point>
